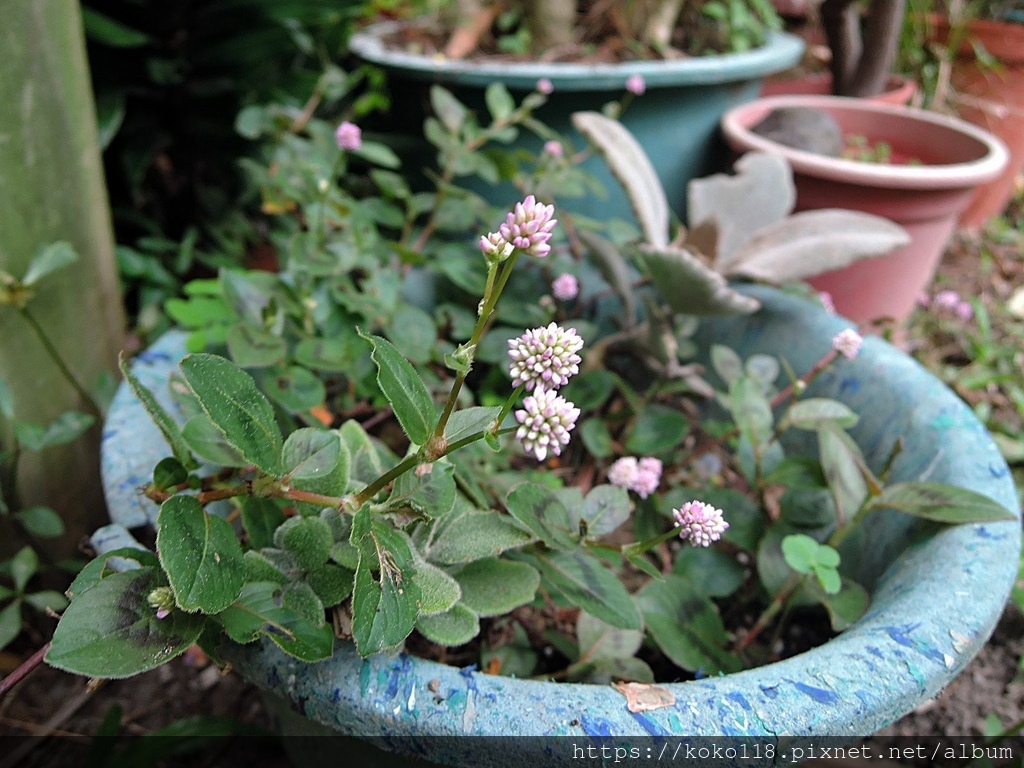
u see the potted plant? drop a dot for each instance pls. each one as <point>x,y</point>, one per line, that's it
<point>983,51</point>
<point>935,165</point>
<point>676,88</point>
<point>404,518</point>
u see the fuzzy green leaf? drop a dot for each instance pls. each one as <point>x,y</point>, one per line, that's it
<point>125,558</point>
<point>605,508</point>
<point>587,583</point>
<point>307,539</point>
<point>208,443</point>
<point>475,535</point>
<point>310,453</point>
<point>813,412</point>
<point>657,429</point>
<point>200,554</point>
<point>841,460</point>
<point>260,608</point>
<point>404,389</point>
<point>237,408</point>
<point>111,631</point>
<point>493,587</point>
<point>385,596</point>
<point>598,640</point>
<point>539,511</point>
<point>456,626</point>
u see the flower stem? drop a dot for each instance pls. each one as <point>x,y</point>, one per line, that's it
<point>782,597</point>
<point>59,362</point>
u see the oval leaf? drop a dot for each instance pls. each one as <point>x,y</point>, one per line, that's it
<point>942,503</point>
<point>404,389</point>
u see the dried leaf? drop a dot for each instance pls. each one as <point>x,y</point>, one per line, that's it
<point>641,697</point>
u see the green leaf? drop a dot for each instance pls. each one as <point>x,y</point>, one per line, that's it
<point>112,631</point>
<point>385,596</point>
<point>413,333</point>
<point>596,438</point>
<point>49,259</point>
<point>467,422</point>
<point>657,429</point>
<point>942,503</point>
<point>10,623</point>
<point>260,518</point>
<point>23,566</point>
<point>258,567</point>
<point>41,521</point>
<point>103,29</point>
<point>168,427</point>
<point>493,587</point>
<point>727,364</point>
<point>62,430</point>
<point>294,387</point>
<point>254,348</point>
<point>307,539</point>
<point>299,597</point>
<point>237,408</point>
<point>455,627</point>
<point>591,389</point>
<point>169,473</point>
<point>475,535</point>
<point>47,600</point>
<point>751,410</point>
<point>402,386</point>
<point>378,154</point>
<point>841,461</point>
<point>200,554</point>
<point>605,508</point>
<point>598,640</point>
<point>439,591</point>
<point>539,511</point>
<point>689,286</point>
<point>800,552</point>
<point>331,583</point>
<point>709,571</point>
<point>686,626</point>
<point>202,437</point>
<point>260,608</point>
<point>814,412</point>
<point>126,558</point>
<point>449,110</point>
<point>499,101</point>
<point>587,583</point>
<point>310,453</point>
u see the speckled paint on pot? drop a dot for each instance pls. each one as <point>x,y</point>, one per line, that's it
<point>932,610</point>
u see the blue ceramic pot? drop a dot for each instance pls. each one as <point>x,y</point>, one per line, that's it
<point>937,596</point>
<point>675,120</point>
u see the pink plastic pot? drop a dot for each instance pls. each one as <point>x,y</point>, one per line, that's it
<point>926,198</point>
<point>898,89</point>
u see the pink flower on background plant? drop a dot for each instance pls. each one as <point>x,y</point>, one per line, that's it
<point>923,299</point>
<point>528,226</point>
<point>947,300</point>
<point>826,301</point>
<point>701,523</point>
<point>636,85</point>
<point>641,476</point>
<point>546,419</point>
<point>847,343</point>
<point>545,86</point>
<point>565,287</point>
<point>964,311</point>
<point>544,358</point>
<point>349,136</point>
<point>554,148</point>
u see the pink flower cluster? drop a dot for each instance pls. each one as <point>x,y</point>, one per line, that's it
<point>641,476</point>
<point>948,302</point>
<point>544,358</point>
<point>700,523</point>
<point>847,343</point>
<point>565,287</point>
<point>545,419</point>
<point>348,136</point>
<point>527,227</point>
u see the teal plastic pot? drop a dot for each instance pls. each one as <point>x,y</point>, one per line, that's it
<point>675,120</point>
<point>938,591</point>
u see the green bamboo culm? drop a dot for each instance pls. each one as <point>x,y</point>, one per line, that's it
<point>52,188</point>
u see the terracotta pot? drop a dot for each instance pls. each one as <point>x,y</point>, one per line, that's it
<point>991,97</point>
<point>924,198</point>
<point>898,89</point>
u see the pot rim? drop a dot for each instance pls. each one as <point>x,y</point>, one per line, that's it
<point>735,125</point>
<point>889,661</point>
<point>781,51</point>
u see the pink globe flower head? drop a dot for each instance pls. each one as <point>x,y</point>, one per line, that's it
<point>348,136</point>
<point>544,358</point>
<point>847,343</point>
<point>923,299</point>
<point>700,523</point>
<point>554,148</point>
<point>565,287</point>
<point>946,300</point>
<point>528,226</point>
<point>545,86</point>
<point>964,311</point>
<point>623,472</point>
<point>545,419</point>
<point>648,476</point>
<point>636,85</point>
